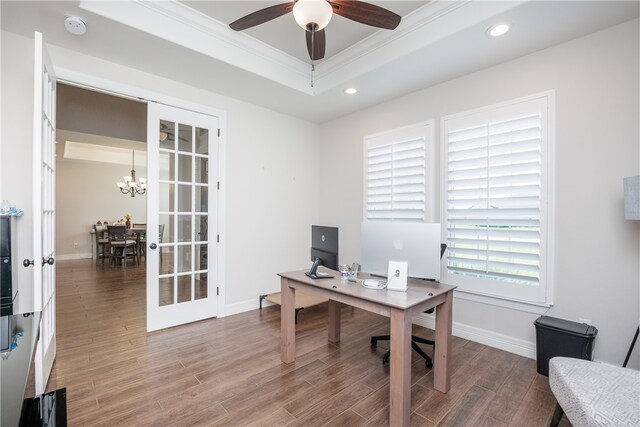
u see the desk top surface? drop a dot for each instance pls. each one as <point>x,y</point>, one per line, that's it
<point>418,290</point>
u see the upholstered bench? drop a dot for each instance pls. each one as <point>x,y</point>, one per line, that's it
<point>594,394</point>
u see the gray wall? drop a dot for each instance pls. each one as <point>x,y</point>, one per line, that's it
<point>85,111</point>
<point>597,252</point>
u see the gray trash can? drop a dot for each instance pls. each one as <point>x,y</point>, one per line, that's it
<point>559,337</point>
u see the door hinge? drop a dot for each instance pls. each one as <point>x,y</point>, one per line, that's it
<point>217,291</point>
<point>218,238</point>
<point>218,132</point>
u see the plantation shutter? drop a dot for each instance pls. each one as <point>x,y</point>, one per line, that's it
<point>493,189</point>
<point>396,187</point>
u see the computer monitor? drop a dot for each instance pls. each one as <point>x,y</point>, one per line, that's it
<point>416,243</point>
<point>324,247</point>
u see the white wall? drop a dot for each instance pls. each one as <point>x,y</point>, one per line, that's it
<point>270,184</point>
<point>17,122</point>
<point>597,260</point>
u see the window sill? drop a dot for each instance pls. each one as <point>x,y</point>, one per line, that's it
<point>527,307</point>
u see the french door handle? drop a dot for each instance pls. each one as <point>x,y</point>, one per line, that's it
<point>49,261</point>
<point>27,262</point>
<point>153,246</point>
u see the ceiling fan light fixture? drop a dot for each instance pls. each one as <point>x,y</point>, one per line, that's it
<point>316,12</point>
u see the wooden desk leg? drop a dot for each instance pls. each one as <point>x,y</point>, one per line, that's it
<point>287,322</point>
<point>334,321</point>
<point>441,374</point>
<point>400,371</point>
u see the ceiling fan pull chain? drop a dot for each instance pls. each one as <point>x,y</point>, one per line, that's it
<point>313,68</point>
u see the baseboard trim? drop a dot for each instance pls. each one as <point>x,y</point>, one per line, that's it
<point>483,336</point>
<point>73,256</point>
<point>242,306</point>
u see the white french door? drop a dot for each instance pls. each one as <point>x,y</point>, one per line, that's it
<point>182,216</point>
<point>44,275</point>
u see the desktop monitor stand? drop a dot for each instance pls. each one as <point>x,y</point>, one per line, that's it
<point>318,275</point>
<point>314,273</point>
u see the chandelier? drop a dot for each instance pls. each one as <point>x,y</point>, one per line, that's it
<point>130,185</point>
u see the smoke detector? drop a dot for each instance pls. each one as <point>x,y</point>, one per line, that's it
<point>75,25</point>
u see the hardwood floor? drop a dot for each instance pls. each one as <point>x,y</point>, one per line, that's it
<point>227,372</point>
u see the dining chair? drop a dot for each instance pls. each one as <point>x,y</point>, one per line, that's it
<point>141,241</point>
<point>101,242</point>
<point>121,245</point>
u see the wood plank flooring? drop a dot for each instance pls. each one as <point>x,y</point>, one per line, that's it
<point>227,372</point>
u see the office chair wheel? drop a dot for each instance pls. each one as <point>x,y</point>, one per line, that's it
<point>428,364</point>
<point>374,342</point>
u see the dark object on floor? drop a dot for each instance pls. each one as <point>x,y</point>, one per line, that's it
<point>46,410</point>
<point>559,337</point>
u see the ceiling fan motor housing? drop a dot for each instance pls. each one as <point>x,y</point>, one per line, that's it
<point>318,12</point>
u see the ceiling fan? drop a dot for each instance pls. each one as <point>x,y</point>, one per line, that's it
<point>314,15</point>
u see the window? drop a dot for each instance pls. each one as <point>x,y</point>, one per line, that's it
<point>398,175</point>
<point>495,199</point>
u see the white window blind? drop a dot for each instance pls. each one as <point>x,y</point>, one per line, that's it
<point>495,188</point>
<point>396,176</point>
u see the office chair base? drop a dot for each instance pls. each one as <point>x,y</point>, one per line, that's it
<point>414,340</point>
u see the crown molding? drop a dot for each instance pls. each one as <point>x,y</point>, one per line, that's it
<point>182,25</point>
<point>424,26</point>
<point>187,27</point>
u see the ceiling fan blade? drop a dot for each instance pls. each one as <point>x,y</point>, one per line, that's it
<point>366,13</point>
<point>316,43</point>
<point>261,16</point>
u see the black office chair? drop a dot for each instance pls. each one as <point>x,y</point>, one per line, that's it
<point>414,339</point>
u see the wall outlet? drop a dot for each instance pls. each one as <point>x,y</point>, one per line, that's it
<point>75,243</point>
<point>587,321</point>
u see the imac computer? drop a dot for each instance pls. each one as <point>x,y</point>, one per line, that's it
<point>324,250</point>
<point>416,243</point>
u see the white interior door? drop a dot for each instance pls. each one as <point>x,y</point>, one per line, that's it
<point>182,216</point>
<point>44,276</point>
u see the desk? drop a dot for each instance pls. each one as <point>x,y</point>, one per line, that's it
<point>399,306</point>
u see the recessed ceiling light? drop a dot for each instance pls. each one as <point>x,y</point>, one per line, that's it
<point>350,90</point>
<point>75,25</point>
<point>498,30</point>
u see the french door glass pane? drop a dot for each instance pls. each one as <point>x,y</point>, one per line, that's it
<point>184,168</point>
<point>201,257</point>
<point>166,291</point>
<point>184,198</point>
<point>167,135</point>
<point>166,260</point>
<point>202,170</point>
<point>202,141</point>
<point>202,198</point>
<point>166,234</point>
<point>184,228</point>
<point>200,285</point>
<point>201,228</point>
<point>165,199</point>
<point>167,166</point>
<point>184,288</point>
<point>185,142</point>
<point>184,258</point>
